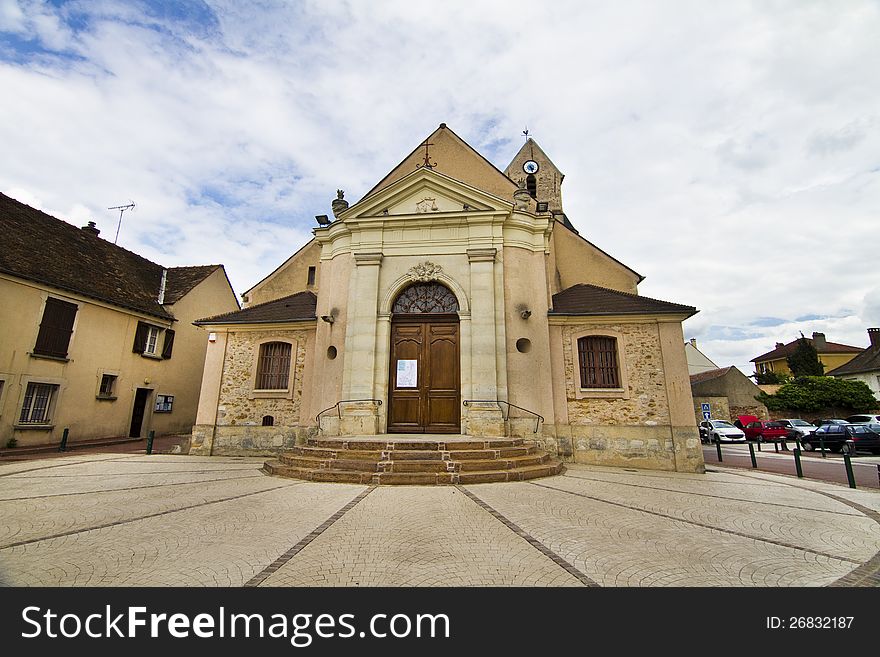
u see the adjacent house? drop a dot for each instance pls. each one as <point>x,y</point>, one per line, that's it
<point>453,298</point>
<point>697,361</point>
<point>95,338</point>
<point>831,355</point>
<point>728,393</point>
<point>865,366</point>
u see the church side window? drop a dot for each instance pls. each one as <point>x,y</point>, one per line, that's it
<point>597,360</point>
<point>273,368</point>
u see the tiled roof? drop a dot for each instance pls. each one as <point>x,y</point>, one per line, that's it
<point>297,307</point>
<point>38,247</point>
<point>583,299</point>
<point>867,361</point>
<point>181,280</point>
<point>788,349</point>
<point>709,375</point>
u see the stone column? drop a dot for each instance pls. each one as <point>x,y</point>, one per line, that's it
<point>485,419</point>
<point>202,442</point>
<point>360,338</point>
<point>360,343</point>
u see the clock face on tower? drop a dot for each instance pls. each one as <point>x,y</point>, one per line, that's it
<point>530,166</point>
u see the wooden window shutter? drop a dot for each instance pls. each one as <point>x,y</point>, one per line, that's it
<point>597,361</point>
<point>273,366</point>
<point>56,327</point>
<point>140,338</point>
<point>169,344</point>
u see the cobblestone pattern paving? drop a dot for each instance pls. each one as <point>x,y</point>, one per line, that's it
<point>93,520</point>
<point>420,536</point>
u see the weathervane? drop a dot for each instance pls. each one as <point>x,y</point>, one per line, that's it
<point>427,162</point>
<point>526,133</point>
<point>121,208</point>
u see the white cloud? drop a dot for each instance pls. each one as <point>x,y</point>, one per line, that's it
<point>727,152</point>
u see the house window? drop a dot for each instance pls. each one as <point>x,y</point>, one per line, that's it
<point>56,327</point>
<point>164,403</point>
<point>273,367</point>
<point>311,276</point>
<point>37,403</point>
<point>148,338</point>
<point>597,360</point>
<point>108,386</point>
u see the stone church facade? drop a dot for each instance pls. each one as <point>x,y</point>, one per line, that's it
<point>453,298</point>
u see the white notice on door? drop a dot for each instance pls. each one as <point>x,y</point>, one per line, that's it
<point>407,374</point>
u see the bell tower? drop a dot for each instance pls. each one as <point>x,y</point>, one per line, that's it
<point>542,178</point>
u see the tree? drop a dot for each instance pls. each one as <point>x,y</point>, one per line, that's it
<point>769,378</point>
<point>818,393</point>
<point>805,360</point>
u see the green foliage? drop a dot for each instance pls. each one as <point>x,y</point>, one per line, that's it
<point>770,378</point>
<point>816,393</point>
<point>12,442</point>
<point>805,360</point>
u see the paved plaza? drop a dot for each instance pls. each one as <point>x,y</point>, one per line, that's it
<point>163,520</point>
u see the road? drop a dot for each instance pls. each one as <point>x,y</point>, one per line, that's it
<point>831,468</point>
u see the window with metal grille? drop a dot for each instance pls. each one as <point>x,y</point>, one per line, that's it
<point>273,367</point>
<point>37,403</point>
<point>56,327</point>
<point>597,358</point>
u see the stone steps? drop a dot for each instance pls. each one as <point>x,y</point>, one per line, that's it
<point>415,461</point>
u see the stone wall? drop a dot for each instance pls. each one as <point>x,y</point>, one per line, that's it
<point>644,402</point>
<point>718,406</point>
<point>632,428</point>
<point>237,405</point>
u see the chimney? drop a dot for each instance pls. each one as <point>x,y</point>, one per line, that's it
<point>694,343</point>
<point>874,336</point>
<point>819,341</point>
<point>780,345</point>
<point>91,229</point>
<point>161,299</point>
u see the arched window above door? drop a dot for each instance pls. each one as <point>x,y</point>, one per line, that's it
<point>425,298</point>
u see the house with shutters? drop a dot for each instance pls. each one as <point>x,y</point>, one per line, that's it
<point>95,338</point>
<point>453,304</point>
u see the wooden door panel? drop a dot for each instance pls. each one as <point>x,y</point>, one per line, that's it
<point>432,403</point>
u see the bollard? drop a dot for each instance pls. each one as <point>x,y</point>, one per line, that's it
<point>878,473</point>
<point>718,447</point>
<point>759,445</point>
<point>822,446</point>
<point>63,446</point>
<point>150,442</point>
<point>797,462</point>
<point>776,446</point>
<point>752,454</point>
<point>850,475</point>
<point>847,463</point>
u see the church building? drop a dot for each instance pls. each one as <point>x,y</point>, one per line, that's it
<point>453,300</point>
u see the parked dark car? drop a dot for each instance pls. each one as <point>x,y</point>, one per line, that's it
<point>832,420</point>
<point>768,432</point>
<point>835,437</point>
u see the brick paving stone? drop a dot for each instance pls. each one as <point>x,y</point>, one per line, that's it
<point>137,520</point>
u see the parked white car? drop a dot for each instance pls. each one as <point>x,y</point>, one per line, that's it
<point>803,427</point>
<point>720,431</point>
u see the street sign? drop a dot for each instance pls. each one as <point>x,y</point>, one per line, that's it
<point>705,407</point>
<point>707,415</point>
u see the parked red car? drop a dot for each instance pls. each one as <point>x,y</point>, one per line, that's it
<point>767,432</point>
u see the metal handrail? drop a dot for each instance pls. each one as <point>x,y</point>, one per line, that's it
<point>540,418</point>
<point>339,410</point>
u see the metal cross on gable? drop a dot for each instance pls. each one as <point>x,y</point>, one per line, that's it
<point>427,163</point>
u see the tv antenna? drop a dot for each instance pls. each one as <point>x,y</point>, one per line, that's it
<point>121,208</point>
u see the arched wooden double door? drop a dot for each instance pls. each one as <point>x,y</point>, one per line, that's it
<point>424,388</point>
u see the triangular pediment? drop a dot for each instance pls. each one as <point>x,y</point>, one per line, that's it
<point>425,191</point>
<point>450,155</point>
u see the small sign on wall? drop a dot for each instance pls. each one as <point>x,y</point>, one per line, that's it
<point>164,403</point>
<point>407,374</point>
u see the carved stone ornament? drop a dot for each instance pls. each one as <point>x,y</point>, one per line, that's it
<point>522,198</point>
<point>427,204</point>
<point>427,271</point>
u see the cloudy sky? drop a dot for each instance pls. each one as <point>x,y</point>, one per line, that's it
<point>730,154</point>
